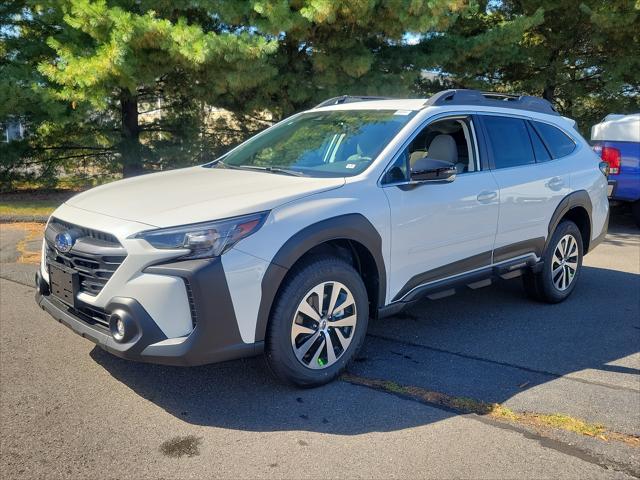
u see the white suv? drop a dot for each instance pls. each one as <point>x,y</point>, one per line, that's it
<point>292,241</point>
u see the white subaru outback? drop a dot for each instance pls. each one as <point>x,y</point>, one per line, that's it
<point>292,241</point>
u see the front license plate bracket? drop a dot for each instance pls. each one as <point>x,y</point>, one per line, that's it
<point>64,283</point>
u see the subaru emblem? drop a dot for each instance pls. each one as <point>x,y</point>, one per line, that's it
<point>64,241</point>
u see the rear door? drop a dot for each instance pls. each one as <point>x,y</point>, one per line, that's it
<point>531,183</point>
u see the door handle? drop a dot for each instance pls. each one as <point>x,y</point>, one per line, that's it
<point>556,183</point>
<point>487,196</point>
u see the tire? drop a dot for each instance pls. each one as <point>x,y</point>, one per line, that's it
<point>545,286</point>
<point>635,212</point>
<point>295,357</point>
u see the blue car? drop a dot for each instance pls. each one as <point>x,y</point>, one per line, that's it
<point>617,140</point>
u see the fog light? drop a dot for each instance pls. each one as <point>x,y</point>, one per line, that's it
<point>120,328</point>
<point>117,328</point>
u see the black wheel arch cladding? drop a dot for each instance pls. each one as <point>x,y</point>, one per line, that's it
<point>577,199</point>
<point>354,227</point>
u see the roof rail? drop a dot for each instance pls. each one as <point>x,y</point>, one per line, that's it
<point>349,99</point>
<point>491,99</point>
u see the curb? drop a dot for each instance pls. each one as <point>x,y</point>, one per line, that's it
<point>24,218</point>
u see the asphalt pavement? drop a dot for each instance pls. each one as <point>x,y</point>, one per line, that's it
<point>70,410</point>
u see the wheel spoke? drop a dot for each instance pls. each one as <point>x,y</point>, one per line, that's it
<point>349,321</point>
<point>331,355</point>
<point>304,348</point>
<point>298,329</point>
<point>314,360</point>
<point>344,341</point>
<point>335,293</point>
<point>558,281</point>
<point>319,292</point>
<point>347,302</point>
<point>308,310</point>
<point>556,270</point>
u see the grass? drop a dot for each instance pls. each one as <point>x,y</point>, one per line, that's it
<point>17,207</point>
<point>33,202</point>
<point>496,410</point>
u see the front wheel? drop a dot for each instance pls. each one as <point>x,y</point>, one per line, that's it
<point>562,262</point>
<point>318,322</point>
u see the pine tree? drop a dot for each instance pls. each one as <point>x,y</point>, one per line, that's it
<point>328,48</point>
<point>582,55</point>
<point>113,56</point>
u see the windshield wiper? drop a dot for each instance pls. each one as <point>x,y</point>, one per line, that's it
<point>284,171</point>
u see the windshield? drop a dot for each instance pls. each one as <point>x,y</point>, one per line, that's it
<point>337,143</point>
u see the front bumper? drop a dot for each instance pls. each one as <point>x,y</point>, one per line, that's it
<point>215,337</point>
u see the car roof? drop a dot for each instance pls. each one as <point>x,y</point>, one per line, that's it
<point>412,104</point>
<point>446,98</point>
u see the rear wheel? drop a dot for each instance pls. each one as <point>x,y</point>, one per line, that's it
<point>318,322</point>
<point>562,262</point>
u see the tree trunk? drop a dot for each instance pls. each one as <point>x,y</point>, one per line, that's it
<point>130,149</point>
<point>549,93</point>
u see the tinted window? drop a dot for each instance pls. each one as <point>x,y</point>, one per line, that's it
<point>541,152</point>
<point>510,141</point>
<point>558,143</point>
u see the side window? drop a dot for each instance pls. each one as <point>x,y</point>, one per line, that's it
<point>448,139</point>
<point>558,143</point>
<point>541,152</point>
<point>510,142</point>
<point>398,172</point>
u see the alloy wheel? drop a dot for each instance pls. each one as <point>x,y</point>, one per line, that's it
<point>564,263</point>
<point>323,325</point>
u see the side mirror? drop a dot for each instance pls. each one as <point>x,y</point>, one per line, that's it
<point>431,170</point>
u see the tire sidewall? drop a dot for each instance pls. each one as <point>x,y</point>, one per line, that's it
<point>553,293</point>
<point>279,351</point>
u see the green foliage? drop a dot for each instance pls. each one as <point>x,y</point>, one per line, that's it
<point>113,87</point>
<point>580,54</point>
<point>90,74</point>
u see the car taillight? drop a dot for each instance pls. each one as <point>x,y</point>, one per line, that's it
<point>612,157</point>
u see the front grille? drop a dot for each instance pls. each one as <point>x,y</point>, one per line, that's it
<point>95,256</point>
<point>60,226</point>
<point>93,316</point>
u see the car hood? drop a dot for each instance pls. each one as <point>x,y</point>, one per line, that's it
<point>197,194</point>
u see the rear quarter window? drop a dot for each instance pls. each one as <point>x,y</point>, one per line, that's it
<point>557,142</point>
<point>541,152</point>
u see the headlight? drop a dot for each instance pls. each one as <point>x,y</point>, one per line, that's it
<point>209,239</point>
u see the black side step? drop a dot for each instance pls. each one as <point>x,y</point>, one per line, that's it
<point>474,280</point>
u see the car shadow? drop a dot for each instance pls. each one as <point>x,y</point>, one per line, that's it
<point>491,344</point>
<point>242,395</point>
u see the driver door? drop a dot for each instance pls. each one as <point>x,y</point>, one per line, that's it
<point>439,230</point>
